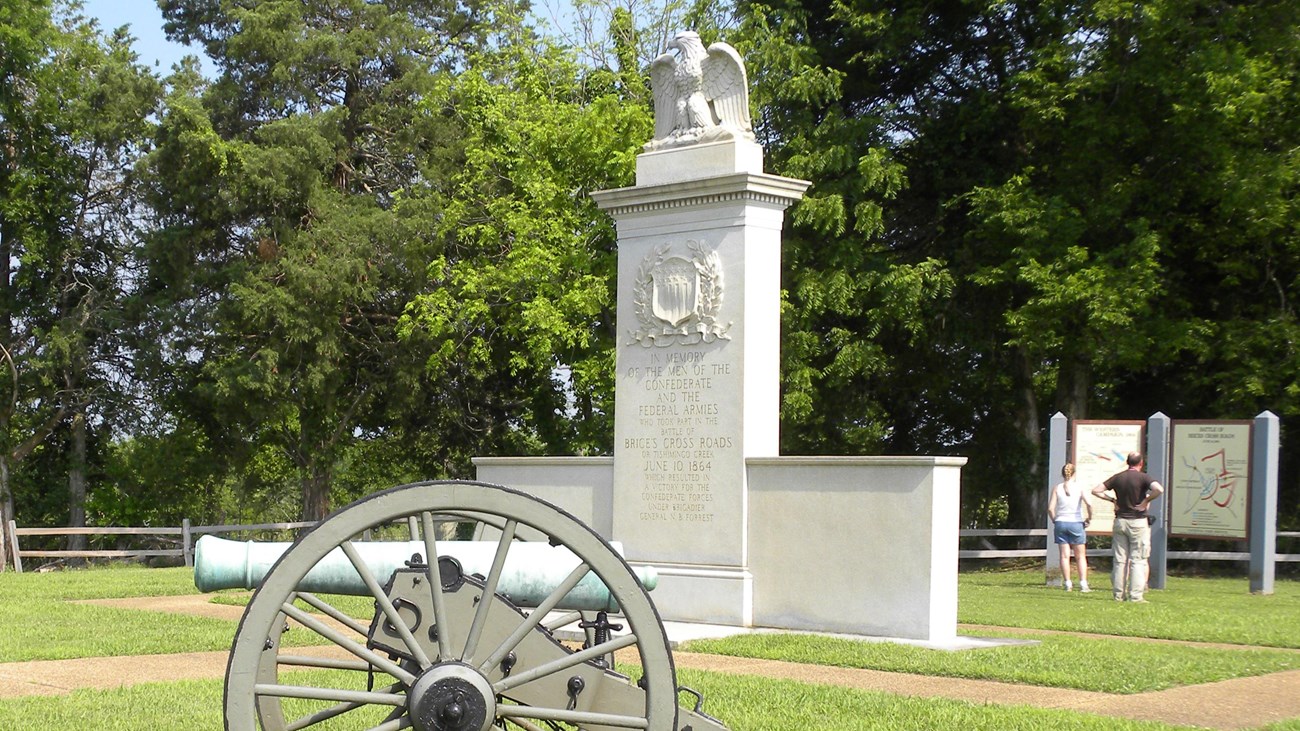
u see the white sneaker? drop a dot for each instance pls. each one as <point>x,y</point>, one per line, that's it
<point>1083,588</point>
<point>1069,586</point>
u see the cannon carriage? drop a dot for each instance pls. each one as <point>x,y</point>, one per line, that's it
<point>467,639</point>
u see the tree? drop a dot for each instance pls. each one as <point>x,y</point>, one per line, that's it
<point>521,303</point>
<point>75,111</point>
<point>1064,166</point>
<point>344,148</point>
<point>284,260</point>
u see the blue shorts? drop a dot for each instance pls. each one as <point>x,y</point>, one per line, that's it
<point>1070,533</point>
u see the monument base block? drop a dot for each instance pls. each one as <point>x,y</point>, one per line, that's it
<point>704,594</point>
<point>710,160</point>
<point>852,545</point>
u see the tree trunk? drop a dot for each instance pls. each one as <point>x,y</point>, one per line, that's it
<point>1028,504</point>
<point>315,493</point>
<point>77,482</point>
<point>10,155</point>
<point>6,512</point>
<point>1074,385</point>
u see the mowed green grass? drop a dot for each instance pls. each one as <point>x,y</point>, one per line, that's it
<point>43,620</point>
<point>1191,609</point>
<point>1188,610</point>
<point>744,703</point>
<point>41,623</point>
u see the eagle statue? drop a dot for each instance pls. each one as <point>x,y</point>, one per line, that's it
<point>699,95</point>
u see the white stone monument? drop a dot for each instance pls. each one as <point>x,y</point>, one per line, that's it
<point>696,486</point>
<point>699,279</point>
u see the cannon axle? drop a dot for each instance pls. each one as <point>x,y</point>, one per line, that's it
<point>452,697</point>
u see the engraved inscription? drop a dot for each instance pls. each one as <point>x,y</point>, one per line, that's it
<point>683,443</point>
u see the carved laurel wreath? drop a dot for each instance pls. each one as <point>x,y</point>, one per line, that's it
<point>702,325</point>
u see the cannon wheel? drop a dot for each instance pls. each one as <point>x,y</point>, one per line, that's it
<point>253,690</point>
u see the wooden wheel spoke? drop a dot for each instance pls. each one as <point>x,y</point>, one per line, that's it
<point>582,718</point>
<point>489,588</point>
<point>535,618</point>
<point>321,663</point>
<point>563,620</point>
<point>337,638</point>
<point>332,712</point>
<point>386,605</point>
<point>440,617</point>
<point>563,663</point>
<point>330,694</point>
<point>333,613</point>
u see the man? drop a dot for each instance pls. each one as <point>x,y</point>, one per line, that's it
<point>1132,491</point>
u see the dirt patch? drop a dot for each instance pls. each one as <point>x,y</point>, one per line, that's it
<point>199,605</point>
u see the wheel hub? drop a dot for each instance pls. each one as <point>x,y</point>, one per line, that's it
<point>452,697</point>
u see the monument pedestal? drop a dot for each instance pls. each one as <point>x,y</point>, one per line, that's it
<point>698,368</point>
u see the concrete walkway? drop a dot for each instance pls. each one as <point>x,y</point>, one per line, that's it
<point>1246,703</point>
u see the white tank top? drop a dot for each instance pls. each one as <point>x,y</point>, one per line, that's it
<point>1069,508</point>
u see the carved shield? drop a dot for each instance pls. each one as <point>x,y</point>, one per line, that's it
<point>676,285</point>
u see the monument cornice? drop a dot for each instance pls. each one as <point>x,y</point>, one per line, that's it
<point>856,461</point>
<point>525,461</point>
<point>760,188</point>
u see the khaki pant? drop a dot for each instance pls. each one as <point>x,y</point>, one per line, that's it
<point>1131,547</point>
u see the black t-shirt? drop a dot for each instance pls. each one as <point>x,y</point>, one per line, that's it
<point>1131,487</point>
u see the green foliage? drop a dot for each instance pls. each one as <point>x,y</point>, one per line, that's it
<point>1094,204</point>
<point>75,112</point>
<point>521,294</point>
<point>365,252</point>
<point>299,253</point>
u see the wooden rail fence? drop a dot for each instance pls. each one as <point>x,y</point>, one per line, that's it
<point>187,534</point>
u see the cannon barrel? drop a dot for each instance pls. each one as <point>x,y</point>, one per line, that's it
<point>531,572</point>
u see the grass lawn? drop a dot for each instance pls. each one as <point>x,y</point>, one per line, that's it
<point>1108,666</point>
<point>41,623</point>
<point>747,704</point>
<point>1194,609</point>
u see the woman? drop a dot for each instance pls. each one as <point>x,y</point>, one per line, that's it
<point>1070,513</point>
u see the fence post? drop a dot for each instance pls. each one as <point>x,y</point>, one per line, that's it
<point>13,536</point>
<point>1158,467</point>
<point>1058,449</point>
<point>185,543</point>
<point>1261,532</point>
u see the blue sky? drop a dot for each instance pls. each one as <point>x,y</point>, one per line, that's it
<point>146,26</point>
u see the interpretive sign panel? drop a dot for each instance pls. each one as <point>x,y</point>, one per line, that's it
<point>1209,481</point>
<point>1100,450</point>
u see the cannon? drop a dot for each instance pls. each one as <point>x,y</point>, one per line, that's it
<point>463,636</point>
<point>531,570</point>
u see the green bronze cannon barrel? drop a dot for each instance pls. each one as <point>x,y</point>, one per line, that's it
<point>531,572</point>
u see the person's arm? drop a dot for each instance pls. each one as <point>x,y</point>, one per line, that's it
<point>1051,505</point>
<point>1100,491</point>
<point>1155,492</point>
<point>1087,507</point>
